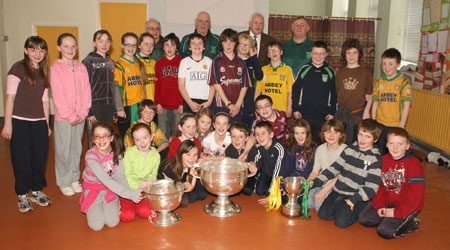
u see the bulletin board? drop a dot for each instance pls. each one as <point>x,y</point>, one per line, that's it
<point>50,35</point>
<point>119,18</point>
<point>434,57</point>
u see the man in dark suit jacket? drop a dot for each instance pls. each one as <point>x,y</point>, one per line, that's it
<point>256,26</point>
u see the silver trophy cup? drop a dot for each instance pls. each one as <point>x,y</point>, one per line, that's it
<point>223,178</point>
<point>165,196</point>
<point>293,186</point>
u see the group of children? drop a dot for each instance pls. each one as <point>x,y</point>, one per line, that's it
<point>181,93</point>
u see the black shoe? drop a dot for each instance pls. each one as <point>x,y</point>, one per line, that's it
<point>407,225</point>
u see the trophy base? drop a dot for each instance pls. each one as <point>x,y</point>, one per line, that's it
<point>166,219</point>
<point>291,212</point>
<point>222,207</point>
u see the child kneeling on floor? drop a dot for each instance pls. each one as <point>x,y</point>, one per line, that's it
<point>268,160</point>
<point>104,179</point>
<point>401,192</point>
<point>141,167</point>
<point>239,138</point>
<point>358,169</point>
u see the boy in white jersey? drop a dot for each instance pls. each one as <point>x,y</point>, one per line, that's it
<point>193,77</point>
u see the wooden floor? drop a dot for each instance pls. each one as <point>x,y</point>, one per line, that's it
<point>63,226</point>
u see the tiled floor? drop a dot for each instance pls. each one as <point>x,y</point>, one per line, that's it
<point>63,226</point>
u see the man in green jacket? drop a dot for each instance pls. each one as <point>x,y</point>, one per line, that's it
<point>296,50</point>
<point>202,27</point>
<point>153,27</point>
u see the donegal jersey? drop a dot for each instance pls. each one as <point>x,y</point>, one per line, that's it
<point>158,137</point>
<point>150,71</point>
<point>196,75</point>
<point>391,95</point>
<point>277,83</point>
<point>127,77</point>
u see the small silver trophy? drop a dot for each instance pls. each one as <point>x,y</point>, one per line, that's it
<point>293,186</point>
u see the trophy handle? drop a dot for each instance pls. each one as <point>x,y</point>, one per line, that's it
<point>196,165</point>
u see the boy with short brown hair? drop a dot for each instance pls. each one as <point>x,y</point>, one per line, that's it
<point>268,160</point>
<point>401,193</point>
<point>239,136</point>
<point>391,96</point>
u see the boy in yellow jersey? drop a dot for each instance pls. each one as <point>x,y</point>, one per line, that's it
<point>277,81</point>
<point>391,96</point>
<point>146,46</point>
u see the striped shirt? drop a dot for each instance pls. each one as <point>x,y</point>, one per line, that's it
<point>359,173</point>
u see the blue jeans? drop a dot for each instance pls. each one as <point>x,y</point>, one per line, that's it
<point>311,202</point>
<point>168,121</point>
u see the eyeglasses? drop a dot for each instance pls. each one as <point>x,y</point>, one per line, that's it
<point>273,50</point>
<point>264,107</point>
<point>244,45</point>
<point>130,45</point>
<point>153,28</point>
<point>98,138</point>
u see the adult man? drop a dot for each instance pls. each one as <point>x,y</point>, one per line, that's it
<point>153,27</point>
<point>202,27</point>
<point>256,27</point>
<point>296,50</point>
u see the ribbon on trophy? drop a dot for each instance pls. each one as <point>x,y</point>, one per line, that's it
<point>274,200</point>
<point>306,187</point>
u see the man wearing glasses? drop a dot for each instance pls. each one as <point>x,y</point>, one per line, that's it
<point>202,27</point>
<point>153,27</point>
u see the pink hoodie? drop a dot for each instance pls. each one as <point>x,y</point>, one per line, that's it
<point>71,91</point>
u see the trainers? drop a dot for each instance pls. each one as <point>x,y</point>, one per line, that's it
<point>67,191</point>
<point>24,203</point>
<point>76,187</point>
<point>407,226</point>
<point>40,198</point>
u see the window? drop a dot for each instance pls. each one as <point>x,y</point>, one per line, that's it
<point>373,9</point>
<point>411,31</point>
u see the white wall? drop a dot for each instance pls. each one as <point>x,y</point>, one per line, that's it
<point>340,8</point>
<point>298,7</point>
<point>22,16</point>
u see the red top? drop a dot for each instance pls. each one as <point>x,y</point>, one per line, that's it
<point>280,125</point>
<point>402,185</point>
<point>175,144</point>
<point>166,83</point>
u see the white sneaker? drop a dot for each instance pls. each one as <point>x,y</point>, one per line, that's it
<point>67,191</point>
<point>76,187</point>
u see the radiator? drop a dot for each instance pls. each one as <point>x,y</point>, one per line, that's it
<point>429,118</point>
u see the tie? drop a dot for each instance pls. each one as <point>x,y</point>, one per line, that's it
<point>256,41</point>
